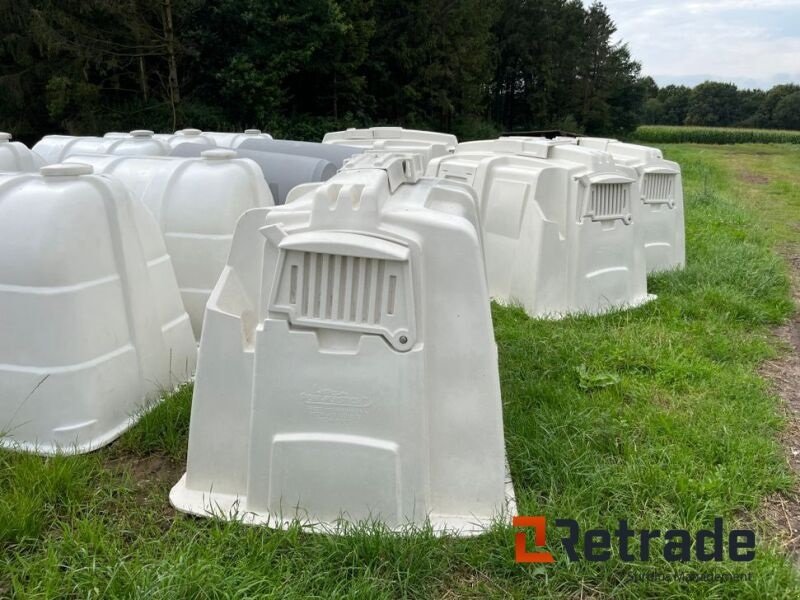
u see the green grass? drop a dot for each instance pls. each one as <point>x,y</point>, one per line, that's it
<point>765,179</point>
<point>656,415</point>
<point>673,134</point>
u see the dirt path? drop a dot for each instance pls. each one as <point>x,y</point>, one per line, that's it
<point>783,510</point>
<point>756,173</point>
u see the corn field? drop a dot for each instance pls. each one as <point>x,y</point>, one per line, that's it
<point>667,134</point>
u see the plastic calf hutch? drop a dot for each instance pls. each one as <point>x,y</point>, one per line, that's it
<point>428,144</point>
<point>196,202</point>
<point>560,228</point>
<point>347,370</point>
<point>186,136</point>
<point>57,148</point>
<point>93,326</point>
<point>282,172</point>
<point>182,136</point>
<point>234,140</point>
<point>16,157</point>
<point>661,196</point>
<point>333,153</point>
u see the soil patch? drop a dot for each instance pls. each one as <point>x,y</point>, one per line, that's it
<point>755,178</point>
<point>152,477</point>
<point>783,510</point>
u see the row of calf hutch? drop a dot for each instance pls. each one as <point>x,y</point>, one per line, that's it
<point>330,300</point>
<point>196,203</point>
<point>93,327</point>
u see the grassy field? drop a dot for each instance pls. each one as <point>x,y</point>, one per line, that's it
<point>668,134</point>
<point>655,415</point>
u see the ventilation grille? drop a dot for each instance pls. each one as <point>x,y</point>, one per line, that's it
<point>657,188</point>
<point>609,201</point>
<point>342,288</point>
<point>346,292</point>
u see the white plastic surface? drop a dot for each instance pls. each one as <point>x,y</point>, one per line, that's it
<point>560,227</point>
<point>282,172</point>
<point>57,148</point>
<point>16,157</point>
<point>196,202</point>
<point>661,196</point>
<point>93,328</point>
<point>347,368</point>
<point>186,136</point>
<point>233,139</point>
<point>427,144</point>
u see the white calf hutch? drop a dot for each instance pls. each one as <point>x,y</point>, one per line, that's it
<point>427,144</point>
<point>661,194</point>
<point>282,172</point>
<point>186,136</point>
<point>57,148</point>
<point>347,368</point>
<point>560,227</point>
<point>93,326</point>
<point>16,157</point>
<point>233,140</point>
<point>196,202</point>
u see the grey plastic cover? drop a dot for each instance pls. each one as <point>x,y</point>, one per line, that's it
<point>334,153</point>
<point>282,172</point>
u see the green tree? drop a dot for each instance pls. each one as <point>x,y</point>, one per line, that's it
<point>538,55</point>
<point>430,61</point>
<point>675,100</point>
<point>23,73</point>
<point>787,112</point>
<point>765,115</point>
<point>334,70</point>
<point>108,61</point>
<point>649,87</point>
<point>301,68</point>
<point>248,48</point>
<point>749,103</point>
<point>608,79</point>
<point>653,112</point>
<point>714,104</point>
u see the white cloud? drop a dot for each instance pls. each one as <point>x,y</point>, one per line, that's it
<point>752,43</point>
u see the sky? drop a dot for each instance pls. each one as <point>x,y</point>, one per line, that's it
<point>754,44</point>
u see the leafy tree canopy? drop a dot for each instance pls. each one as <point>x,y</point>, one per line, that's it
<point>300,68</point>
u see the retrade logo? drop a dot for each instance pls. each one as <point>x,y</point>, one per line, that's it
<point>679,545</point>
<point>521,553</point>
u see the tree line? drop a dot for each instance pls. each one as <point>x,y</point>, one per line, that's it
<point>718,104</point>
<point>298,68</point>
<point>302,67</point>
